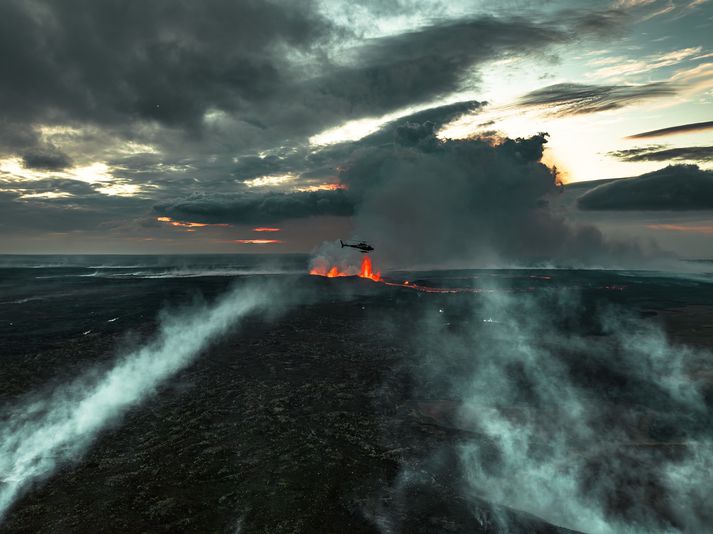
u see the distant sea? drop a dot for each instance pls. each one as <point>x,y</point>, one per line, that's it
<point>151,266</point>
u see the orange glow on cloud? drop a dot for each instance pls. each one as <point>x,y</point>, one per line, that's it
<point>265,229</point>
<point>321,187</point>
<point>189,224</point>
<point>549,159</point>
<point>257,241</point>
<point>682,228</point>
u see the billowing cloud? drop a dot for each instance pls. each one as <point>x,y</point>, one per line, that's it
<point>248,71</point>
<point>257,208</point>
<point>53,208</point>
<point>430,202</point>
<point>47,158</point>
<point>422,199</point>
<point>164,61</point>
<point>175,98</point>
<point>211,107</point>
<point>660,153</point>
<point>672,130</point>
<point>675,188</point>
<point>422,65</point>
<point>574,99</point>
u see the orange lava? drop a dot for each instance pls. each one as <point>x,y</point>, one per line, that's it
<point>365,271</point>
<point>257,241</point>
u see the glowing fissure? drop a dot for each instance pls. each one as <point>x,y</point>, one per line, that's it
<point>366,270</point>
<point>320,267</point>
<point>42,433</point>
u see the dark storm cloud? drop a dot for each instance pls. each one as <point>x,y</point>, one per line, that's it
<point>257,208</point>
<point>47,158</point>
<point>436,116</point>
<point>252,166</point>
<point>599,23</point>
<point>413,68</point>
<point>167,61</point>
<point>77,189</point>
<point>324,162</point>
<point>61,205</point>
<point>90,211</point>
<point>246,206</point>
<point>424,200</point>
<point>659,153</point>
<point>683,128</point>
<point>172,63</point>
<point>153,71</point>
<point>574,99</point>
<point>16,136</point>
<point>205,86</point>
<point>419,66</point>
<point>675,188</point>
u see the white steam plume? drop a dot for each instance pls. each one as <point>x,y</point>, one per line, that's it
<point>39,435</point>
<point>564,453</point>
<point>601,426</point>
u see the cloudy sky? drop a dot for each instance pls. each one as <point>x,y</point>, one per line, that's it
<point>157,126</point>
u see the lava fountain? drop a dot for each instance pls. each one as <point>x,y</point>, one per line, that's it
<point>366,270</point>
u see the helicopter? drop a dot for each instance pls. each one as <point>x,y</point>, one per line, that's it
<point>361,246</point>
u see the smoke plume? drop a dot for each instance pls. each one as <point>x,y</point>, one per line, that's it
<point>476,202</point>
<point>42,434</point>
<point>585,416</point>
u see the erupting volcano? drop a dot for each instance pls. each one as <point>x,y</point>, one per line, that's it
<point>365,271</point>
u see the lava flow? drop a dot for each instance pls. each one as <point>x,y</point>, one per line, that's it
<point>321,267</point>
<point>365,271</point>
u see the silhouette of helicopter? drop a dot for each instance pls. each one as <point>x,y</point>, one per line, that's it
<point>361,246</point>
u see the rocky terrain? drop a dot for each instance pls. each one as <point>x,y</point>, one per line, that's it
<point>318,420</point>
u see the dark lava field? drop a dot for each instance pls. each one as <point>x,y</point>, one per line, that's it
<point>477,401</point>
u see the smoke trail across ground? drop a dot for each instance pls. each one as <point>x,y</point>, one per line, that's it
<point>38,436</point>
<point>586,416</point>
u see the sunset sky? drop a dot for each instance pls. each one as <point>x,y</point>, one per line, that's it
<point>219,126</point>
